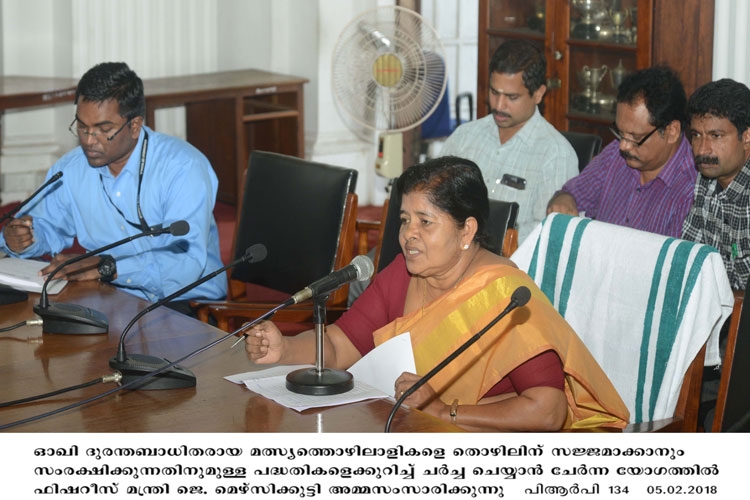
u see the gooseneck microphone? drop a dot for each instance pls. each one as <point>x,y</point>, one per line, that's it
<point>9,295</point>
<point>136,366</point>
<point>519,298</point>
<point>79,320</point>
<point>12,212</point>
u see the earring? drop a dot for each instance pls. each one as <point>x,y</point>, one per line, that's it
<point>466,246</point>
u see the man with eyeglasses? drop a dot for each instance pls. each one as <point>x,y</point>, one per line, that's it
<point>124,179</point>
<point>644,179</point>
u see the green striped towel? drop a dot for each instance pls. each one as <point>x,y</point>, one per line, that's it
<point>644,304</point>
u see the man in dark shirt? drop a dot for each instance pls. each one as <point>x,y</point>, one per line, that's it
<point>719,114</point>
<point>719,131</point>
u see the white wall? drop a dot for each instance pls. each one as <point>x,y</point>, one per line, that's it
<point>173,37</point>
<point>730,57</point>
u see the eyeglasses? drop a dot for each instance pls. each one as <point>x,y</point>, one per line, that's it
<point>80,130</point>
<point>618,135</point>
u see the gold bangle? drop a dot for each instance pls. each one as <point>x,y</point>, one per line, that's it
<point>454,411</point>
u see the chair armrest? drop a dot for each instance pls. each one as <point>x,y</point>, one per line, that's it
<point>510,242</point>
<point>363,229</point>
<point>224,312</point>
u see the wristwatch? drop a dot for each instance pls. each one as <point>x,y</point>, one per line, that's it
<point>107,268</point>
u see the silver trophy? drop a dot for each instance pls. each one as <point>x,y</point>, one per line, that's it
<point>617,75</point>
<point>590,10</point>
<point>619,17</point>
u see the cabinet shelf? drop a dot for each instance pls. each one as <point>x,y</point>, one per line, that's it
<point>653,22</point>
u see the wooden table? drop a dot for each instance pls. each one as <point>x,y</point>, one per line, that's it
<point>33,363</point>
<point>228,113</point>
<point>231,113</point>
<point>34,91</point>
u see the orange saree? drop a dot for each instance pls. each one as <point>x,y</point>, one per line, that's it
<point>455,317</point>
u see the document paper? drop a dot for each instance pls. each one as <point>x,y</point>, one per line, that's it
<point>23,274</point>
<point>374,377</point>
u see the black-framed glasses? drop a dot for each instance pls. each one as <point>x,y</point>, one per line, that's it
<point>79,130</point>
<point>618,135</point>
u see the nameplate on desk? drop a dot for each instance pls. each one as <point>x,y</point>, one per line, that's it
<point>51,96</point>
<point>266,90</point>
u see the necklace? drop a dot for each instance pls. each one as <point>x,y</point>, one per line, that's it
<point>460,278</point>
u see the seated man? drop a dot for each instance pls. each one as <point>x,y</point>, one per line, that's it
<point>719,132</point>
<point>643,179</point>
<point>521,155</point>
<point>121,180</point>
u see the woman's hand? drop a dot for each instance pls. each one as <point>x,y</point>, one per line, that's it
<point>423,398</point>
<point>265,343</point>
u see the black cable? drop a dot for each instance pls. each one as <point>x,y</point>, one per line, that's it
<point>140,380</point>
<point>13,327</point>
<point>105,379</point>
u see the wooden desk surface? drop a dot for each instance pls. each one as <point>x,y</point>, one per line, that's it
<point>32,91</point>
<point>162,91</point>
<point>33,363</point>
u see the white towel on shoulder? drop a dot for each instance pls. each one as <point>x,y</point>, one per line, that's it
<point>644,304</point>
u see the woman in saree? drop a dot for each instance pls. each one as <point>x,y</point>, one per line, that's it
<point>530,372</point>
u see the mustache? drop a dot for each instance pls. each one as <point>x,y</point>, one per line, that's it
<point>706,160</point>
<point>628,156</point>
<point>500,113</point>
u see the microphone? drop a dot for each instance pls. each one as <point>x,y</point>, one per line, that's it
<point>9,295</point>
<point>320,381</point>
<point>75,319</point>
<point>10,214</point>
<point>519,298</point>
<point>360,269</point>
<point>136,366</point>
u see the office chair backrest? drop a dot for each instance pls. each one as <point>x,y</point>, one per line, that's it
<point>503,216</point>
<point>644,304</point>
<point>296,208</point>
<point>501,223</point>
<point>732,412</point>
<point>586,146</point>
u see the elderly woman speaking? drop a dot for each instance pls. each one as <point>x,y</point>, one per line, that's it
<point>530,372</point>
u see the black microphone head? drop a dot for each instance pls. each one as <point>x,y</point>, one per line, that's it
<point>521,296</point>
<point>364,266</point>
<point>56,176</point>
<point>179,228</point>
<point>256,253</point>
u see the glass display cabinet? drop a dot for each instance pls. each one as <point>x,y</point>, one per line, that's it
<point>591,45</point>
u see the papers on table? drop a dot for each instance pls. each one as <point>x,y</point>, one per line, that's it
<point>374,377</point>
<point>23,274</point>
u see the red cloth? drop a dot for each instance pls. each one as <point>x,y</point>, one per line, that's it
<point>383,301</point>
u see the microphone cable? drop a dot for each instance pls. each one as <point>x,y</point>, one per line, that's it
<point>114,377</point>
<point>29,322</point>
<point>144,378</point>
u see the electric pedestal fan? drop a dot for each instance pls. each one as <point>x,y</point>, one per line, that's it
<point>388,75</point>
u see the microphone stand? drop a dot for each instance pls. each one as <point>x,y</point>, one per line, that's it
<point>319,381</point>
<point>134,366</point>
<point>80,320</point>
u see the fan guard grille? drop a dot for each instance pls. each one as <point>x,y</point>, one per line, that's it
<point>388,69</point>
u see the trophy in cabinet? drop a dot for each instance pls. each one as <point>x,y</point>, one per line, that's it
<point>587,27</point>
<point>617,75</point>
<point>537,21</point>
<point>633,24</point>
<point>619,33</point>
<point>590,78</point>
